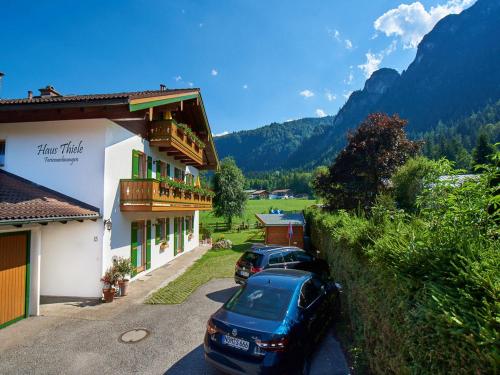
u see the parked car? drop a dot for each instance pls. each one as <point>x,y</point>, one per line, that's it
<point>272,324</point>
<point>268,256</point>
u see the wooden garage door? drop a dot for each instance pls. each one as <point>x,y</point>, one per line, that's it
<point>14,270</point>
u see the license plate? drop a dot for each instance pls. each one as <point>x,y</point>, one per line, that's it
<point>244,273</point>
<point>235,342</point>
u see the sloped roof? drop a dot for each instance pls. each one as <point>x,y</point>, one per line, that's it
<point>96,97</point>
<point>24,201</point>
<point>279,220</point>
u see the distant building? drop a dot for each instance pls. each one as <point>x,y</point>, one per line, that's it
<point>281,194</point>
<point>257,194</point>
<point>277,228</point>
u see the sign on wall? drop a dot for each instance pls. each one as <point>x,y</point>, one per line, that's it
<point>68,152</point>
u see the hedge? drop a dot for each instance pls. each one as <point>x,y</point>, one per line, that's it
<point>422,292</point>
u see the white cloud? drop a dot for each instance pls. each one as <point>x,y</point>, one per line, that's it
<point>335,35</point>
<point>290,119</point>
<point>220,134</point>
<point>214,72</point>
<point>349,78</point>
<point>320,113</point>
<point>307,93</point>
<point>330,96</point>
<point>245,86</point>
<point>178,78</point>
<point>190,84</point>
<point>410,22</point>
<point>200,25</point>
<point>372,63</point>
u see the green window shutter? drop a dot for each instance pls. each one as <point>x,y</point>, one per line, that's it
<point>148,244</point>
<point>133,247</point>
<point>183,233</point>
<point>158,232</point>
<point>167,228</point>
<point>176,235</point>
<point>135,164</point>
<point>150,167</point>
<point>158,169</point>
<point>168,170</point>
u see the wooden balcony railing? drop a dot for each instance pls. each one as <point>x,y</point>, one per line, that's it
<point>166,134</point>
<point>154,195</point>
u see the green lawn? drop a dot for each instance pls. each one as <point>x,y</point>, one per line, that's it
<point>260,207</point>
<point>220,263</point>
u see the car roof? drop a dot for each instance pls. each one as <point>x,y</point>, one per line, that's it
<point>279,278</point>
<point>273,248</point>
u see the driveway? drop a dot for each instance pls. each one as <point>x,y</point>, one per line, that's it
<point>70,345</point>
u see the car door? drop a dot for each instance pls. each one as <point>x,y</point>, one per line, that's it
<point>276,260</point>
<point>290,260</point>
<point>302,260</point>
<point>311,301</point>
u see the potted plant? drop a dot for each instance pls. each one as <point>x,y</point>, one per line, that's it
<point>124,269</point>
<point>163,245</point>
<point>109,280</point>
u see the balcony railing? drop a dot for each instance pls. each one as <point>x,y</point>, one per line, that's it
<point>154,195</point>
<point>167,134</point>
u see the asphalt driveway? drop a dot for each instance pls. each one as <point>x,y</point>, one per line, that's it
<point>69,345</point>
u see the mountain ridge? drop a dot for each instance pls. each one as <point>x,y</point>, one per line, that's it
<point>454,73</point>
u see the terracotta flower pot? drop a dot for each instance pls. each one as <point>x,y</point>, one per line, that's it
<point>109,294</point>
<point>123,287</point>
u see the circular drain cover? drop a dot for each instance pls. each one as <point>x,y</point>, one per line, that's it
<point>134,335</point>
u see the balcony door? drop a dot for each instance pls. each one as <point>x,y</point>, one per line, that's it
<point>178,235</point>
<point>141,245</point>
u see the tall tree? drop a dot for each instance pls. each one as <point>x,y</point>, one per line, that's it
<point>230,198</point>
<point>483,151</point>
<point>363,168</point>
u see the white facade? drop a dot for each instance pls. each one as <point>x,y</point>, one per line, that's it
<point>84,159</point>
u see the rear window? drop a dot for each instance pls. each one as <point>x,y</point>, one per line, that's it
<point>250,257</point>
<point>259,302</point>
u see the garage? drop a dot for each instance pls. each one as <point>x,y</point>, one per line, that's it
<point>14,277</point>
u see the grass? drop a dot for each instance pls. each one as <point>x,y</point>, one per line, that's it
<point>216,264</point>
<point>260,207</point>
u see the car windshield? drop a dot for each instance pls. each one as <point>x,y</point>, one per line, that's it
<point>260,302</point>
<point>252,258</point>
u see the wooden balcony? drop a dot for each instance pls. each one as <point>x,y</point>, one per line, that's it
<point>169,137</point>
<point>147,195</point>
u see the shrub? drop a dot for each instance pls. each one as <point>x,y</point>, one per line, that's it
<point>222,244</point>
<point>421,291</point>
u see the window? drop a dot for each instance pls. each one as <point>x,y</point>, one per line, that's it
<point>264,303</point>
<point>288,257</point>
<point>309,292</point>
<point>301,256</point>
<point>276,258</point>
<point>2,153</point>
<point>179,174</point>
<point>162,232</point>
<point>253,258</point>
<point>162,170</point>
<point>140,164</point>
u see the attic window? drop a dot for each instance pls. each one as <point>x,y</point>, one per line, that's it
<point>2,153</point>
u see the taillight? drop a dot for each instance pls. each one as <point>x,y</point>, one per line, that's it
<point>211,328</point>
<point>273,345</point>
<point>255,269</point>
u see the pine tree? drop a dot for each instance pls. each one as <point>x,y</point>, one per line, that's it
<point>483,150</point>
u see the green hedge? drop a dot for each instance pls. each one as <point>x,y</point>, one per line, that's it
<point>422,292</point>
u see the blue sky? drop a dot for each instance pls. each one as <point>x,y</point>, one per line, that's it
<point>256,62</point>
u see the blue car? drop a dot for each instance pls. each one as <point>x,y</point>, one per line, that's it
<point>272,324</point>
